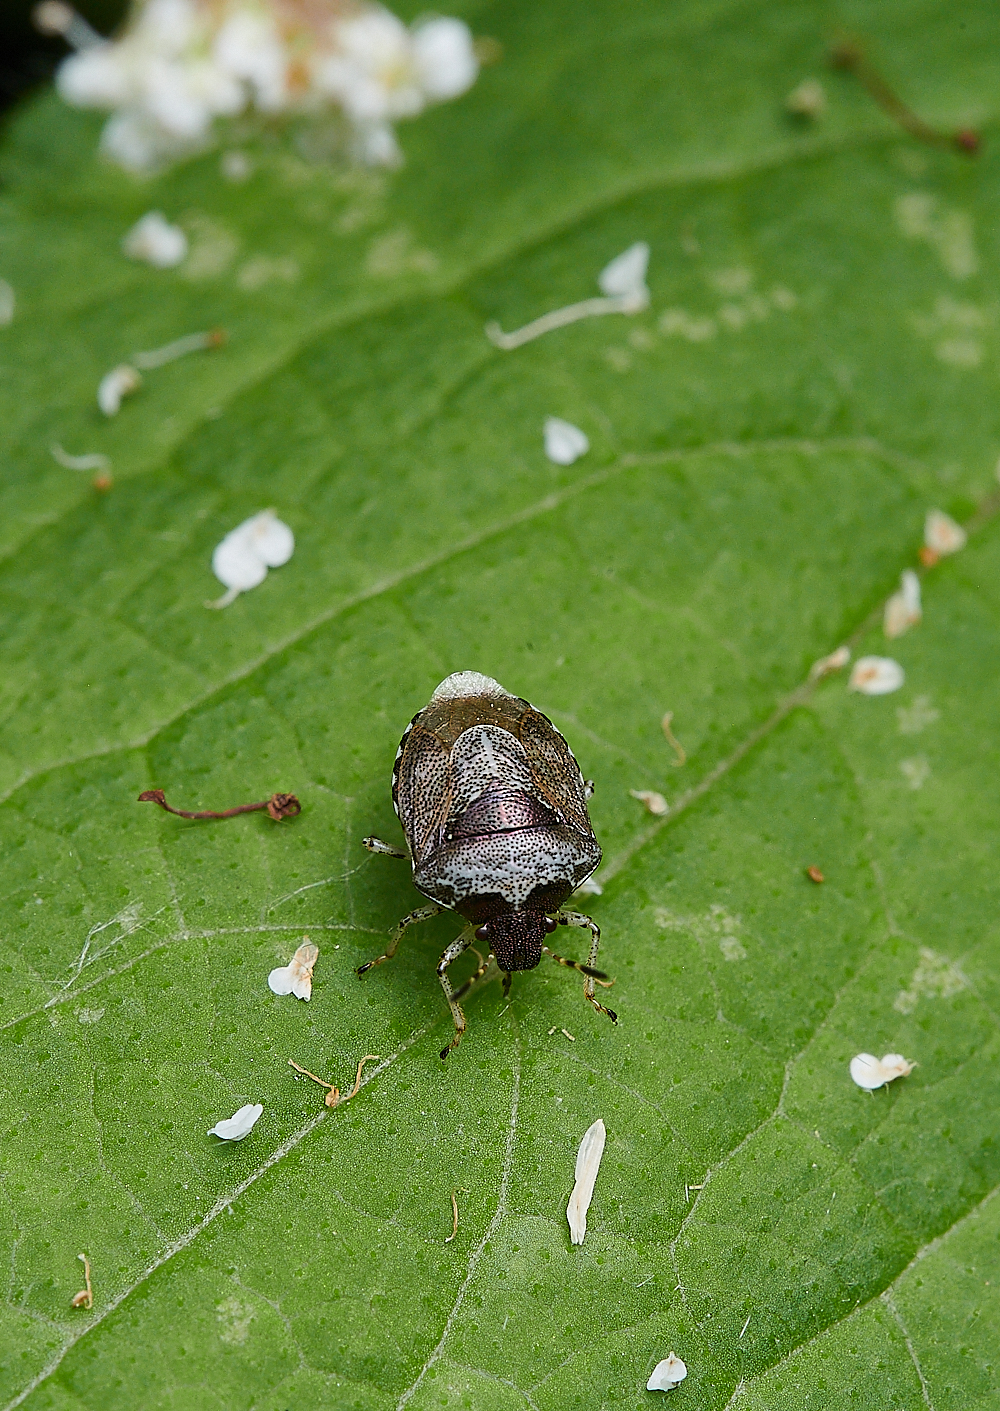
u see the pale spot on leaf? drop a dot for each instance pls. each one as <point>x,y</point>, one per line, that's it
<point>942,534</point>
<point>915,771</point>
<point>155,241</point>
<point>936,977</point>
<point>915,718</point>
<point>903,610</point>
<point>949,232</point>
<point>234,1318</point>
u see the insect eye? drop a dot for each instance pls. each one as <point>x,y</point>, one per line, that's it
<point>551,924</point>
<point>482,933</point>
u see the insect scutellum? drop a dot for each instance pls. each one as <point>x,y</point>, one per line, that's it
<point>494,810</point>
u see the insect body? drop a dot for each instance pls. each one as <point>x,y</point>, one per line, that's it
<point>494,809</point>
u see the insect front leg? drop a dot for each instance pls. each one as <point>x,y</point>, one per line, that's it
<point>374,844</point>
<point>577,918</point>
<point>459,944</point>
<point>422,913</point>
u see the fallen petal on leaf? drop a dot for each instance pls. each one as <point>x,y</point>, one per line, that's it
<point>667,1374</point>
<point>564,442</point>
<point>942,535</point>
<point>876,676</point>
<point>588,1163</point>
<point>235,1128</point>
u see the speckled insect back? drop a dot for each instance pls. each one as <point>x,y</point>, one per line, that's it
<point>494,810</point>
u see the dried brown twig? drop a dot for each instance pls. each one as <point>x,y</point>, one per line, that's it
<point>278,806</point>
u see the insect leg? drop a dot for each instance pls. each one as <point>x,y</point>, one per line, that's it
<point>577,918</point>
<point>422,913</point>
<point>374,844</point>
<point>459,944</point>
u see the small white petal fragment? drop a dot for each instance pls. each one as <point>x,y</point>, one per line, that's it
<point>246,553</point>
<point>903,609</point>
<point>295,978</point>
<point>667,1374</point>
<point>942,535</point>
<point>654,803</point>
<point>564,442</point>
<point>808,100</point>
<point>828,664</point>
<point>156,241</point>
<point>115,385</point>
<point>588,1163</point>
<point>876,676</point>
<point>870,1072</point>
<point>625,277</point>
<point>240,1125</point>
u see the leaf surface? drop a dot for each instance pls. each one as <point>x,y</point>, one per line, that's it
<point>812,376</point>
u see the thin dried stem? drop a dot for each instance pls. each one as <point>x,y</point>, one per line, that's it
<point>85,1298</point>
<point>672,741</point>
<point>850,56</point>
<point>278,806</point>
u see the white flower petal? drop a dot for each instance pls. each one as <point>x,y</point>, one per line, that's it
<point>564,442</point>
<point>281,980</point>
<point>156,241</point>
<point>653,802</point>
<point>870,1072</point>
<point>667,1374</point>
<point>876,676</point>
<point>295,978</point>
<point>243,557</point>
<point>625,276</point>
<point>444,58</point>
<point>942,534</point>
<point>588,1163</point>
<point>235,1128</point>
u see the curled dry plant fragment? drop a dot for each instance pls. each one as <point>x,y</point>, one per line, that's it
<point>240,1125</point>
<point>850,56</point>
<point>870,1072</point>
<point>564,442</point>
<point>178,65</point>
<point>94,461</point>
<point>278,806</point>
<point>179,348</point>
<point>588,1163</point>
<point>836,661</point>
<point>242,559</point>
<point>85,1298</point>
<point>667,1374</point>
<point>672,741</point>
<point>295,978</point>
<point>115,385</point>
<point>654,803</point>
<point>903,610</point>
<point>154,240</point>
<point>876,676</point>
<point>622,284</point>
<point>333,1096</point>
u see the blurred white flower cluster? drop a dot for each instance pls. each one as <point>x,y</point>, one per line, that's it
<point>180,64</point>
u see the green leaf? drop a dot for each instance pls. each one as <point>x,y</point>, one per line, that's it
<point>817,370</point>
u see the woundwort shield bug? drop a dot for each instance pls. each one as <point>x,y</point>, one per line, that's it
<point>494,810</point>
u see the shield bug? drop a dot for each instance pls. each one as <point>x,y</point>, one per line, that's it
<point>494,810</point>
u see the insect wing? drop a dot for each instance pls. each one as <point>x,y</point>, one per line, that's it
<point>422,790</point>
<point>554,769</point>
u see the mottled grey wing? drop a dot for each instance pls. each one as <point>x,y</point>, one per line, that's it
<point>554,769</point>
<point>421,792</point>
